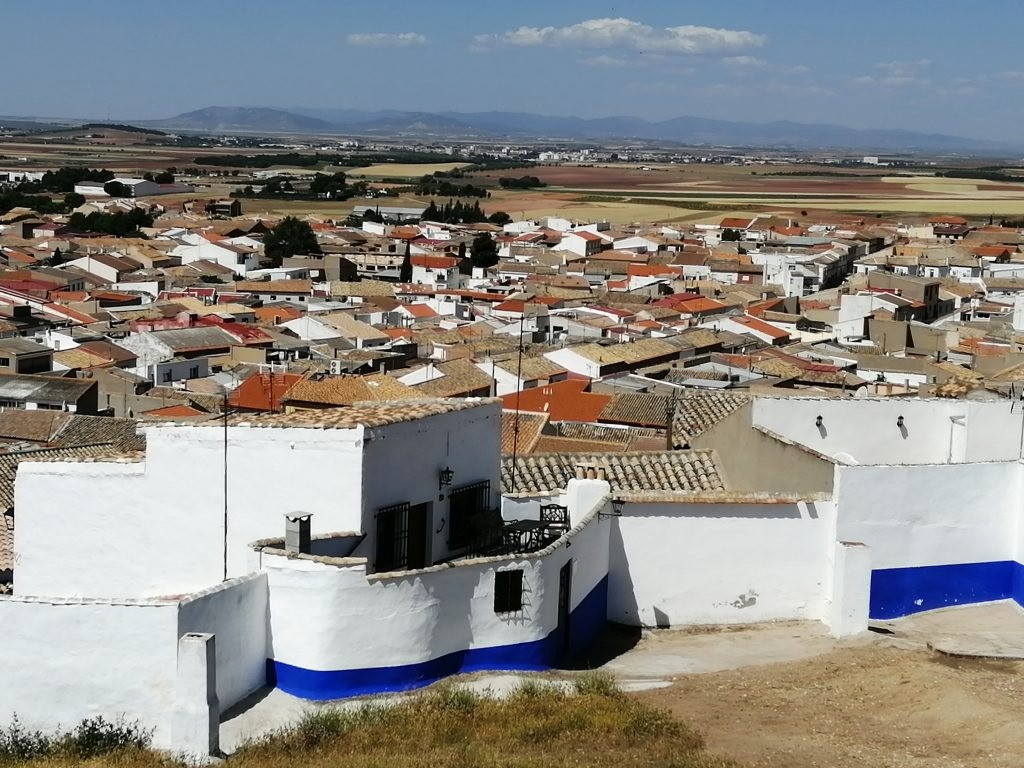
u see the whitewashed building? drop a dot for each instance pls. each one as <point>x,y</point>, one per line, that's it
<point>333,553</point>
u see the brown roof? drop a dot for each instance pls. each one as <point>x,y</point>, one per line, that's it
<point>360,414</point>
<point>530,426</point>
<point>460,378</point>
<point>655,471</point>
<point>348,390</point>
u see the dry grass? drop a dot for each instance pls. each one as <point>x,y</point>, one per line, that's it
<point>536,727</point>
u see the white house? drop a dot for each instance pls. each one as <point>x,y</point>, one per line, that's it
<point>343,552</point>
<point>241,258</point>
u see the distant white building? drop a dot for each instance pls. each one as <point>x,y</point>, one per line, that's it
<point>135,188</point>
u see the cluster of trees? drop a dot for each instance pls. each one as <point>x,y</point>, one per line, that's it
<point>13,198</point>
<point>261,161</point>
<point>522,182</point>
<point>119,224</point>
<point>484,251</point>
<point>457,212</point>
<point>332,185</point>
<point>435,185</point>
<point>164,177</point>
<point>65,179</point>
<point>984,174</point>
<point>291,237</point>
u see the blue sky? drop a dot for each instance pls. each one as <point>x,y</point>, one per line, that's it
<point>949,66</point>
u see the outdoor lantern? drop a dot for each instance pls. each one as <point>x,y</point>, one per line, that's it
<point>819,422</point>
<point>617,505</point>
<point>899,422</point>
<point>445,478</point>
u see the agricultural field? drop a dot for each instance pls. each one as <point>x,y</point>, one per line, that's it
<point>674,193</point>
<point>402,170</point>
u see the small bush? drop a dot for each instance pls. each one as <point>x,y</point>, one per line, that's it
<point>597,684</point>
<point>529,689</point>
<point>96,736</point>
<point>451,699</point>
<point>17,744</point>
<point>318,726</point>
<point>92,737</point>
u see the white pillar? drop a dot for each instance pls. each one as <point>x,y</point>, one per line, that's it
<point>195,729</point>
<point>582,495</point>
<point>851,589</point>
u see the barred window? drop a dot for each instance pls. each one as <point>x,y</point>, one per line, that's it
<point>508,591</point>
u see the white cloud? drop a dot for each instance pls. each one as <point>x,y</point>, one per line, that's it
<point>1012,74</point>
<point>903,68</point>
<point>896,74</point>
<point>743,62</point>
<point>612,62</point>
<point>627,34</point>
<point>386,38</point>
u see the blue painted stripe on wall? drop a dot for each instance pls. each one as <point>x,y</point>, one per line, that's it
<point>899,592</point>
<point>585,621</point>
<point>1017,589</point>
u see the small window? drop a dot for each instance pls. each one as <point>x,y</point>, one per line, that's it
<point>508,591</point>
<point>193,372</point>
<point>167,375</point>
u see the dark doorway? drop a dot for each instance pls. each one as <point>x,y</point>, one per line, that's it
<point>419,536</point>
<point>562,631</point>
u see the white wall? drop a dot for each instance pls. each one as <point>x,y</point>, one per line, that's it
<point>236,612</point>
<point>68,660</point>
<point>415,616</point>
<point>574,362</point>
<point>402,463</point>
<point>865,431</point>
<point>156,527</point>
<point>674,564</point>
<point>931,515</point>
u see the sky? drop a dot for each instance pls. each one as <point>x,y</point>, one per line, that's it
<point>943,66</point>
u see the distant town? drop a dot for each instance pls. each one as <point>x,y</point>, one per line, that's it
<point>339,417</point>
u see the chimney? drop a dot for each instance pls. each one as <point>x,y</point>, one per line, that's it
<point>296,533</point>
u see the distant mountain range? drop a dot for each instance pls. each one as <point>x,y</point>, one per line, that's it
<point>523,125</point>
<point>243,119</point>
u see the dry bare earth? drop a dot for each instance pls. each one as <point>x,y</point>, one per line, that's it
<point>873,706</point>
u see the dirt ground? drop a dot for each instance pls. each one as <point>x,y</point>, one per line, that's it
<point>870,705</point>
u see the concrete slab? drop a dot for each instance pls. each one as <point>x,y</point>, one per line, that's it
<point>986,630</point>
<point>666,653</point>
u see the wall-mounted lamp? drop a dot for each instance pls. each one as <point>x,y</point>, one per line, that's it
<point>444,478</point>
<point>899,422</point>
<point>819,422</point>
<point>617,505</point>
<point>9,519</point>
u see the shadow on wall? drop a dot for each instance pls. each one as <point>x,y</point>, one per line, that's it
<point>615,640</point>
<point>622,605</point>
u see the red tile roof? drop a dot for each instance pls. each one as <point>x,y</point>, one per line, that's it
<point>562,401</point>
<point>434,262</point>
<point>263,391</point>
<point>761,327</point>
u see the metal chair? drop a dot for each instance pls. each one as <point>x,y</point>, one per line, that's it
<point>556,516</point>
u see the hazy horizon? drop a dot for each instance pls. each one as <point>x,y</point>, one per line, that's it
<point>917,65</point>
